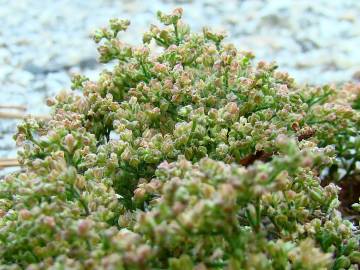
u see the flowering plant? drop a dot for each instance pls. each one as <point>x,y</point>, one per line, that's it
<point>185,156</point>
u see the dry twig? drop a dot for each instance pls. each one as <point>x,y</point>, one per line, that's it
<point>8,162</point>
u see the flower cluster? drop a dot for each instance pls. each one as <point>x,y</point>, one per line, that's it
<point>187,156</point>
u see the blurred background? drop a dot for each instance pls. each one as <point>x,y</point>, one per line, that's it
<point>43,41</point>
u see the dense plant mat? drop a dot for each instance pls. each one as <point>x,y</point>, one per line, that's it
<point>186,155</point>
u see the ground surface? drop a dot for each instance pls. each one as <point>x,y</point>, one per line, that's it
<point>42,42</point>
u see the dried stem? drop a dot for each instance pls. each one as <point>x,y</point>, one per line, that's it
<point>8,162</point>
<point>15,115</point>
<point>14,107</point>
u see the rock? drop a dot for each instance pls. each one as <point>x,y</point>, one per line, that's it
<point>21,77</point>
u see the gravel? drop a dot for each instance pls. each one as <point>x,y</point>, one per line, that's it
<point>43,42</point>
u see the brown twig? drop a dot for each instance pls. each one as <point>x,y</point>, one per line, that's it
<point>14,107</point>
<point>8,162</point>
<point>306,135</point>
<point>16,115</point>
<point>263,156</point>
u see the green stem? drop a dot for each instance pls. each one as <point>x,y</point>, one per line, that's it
<point>217,43</point>
<point>226,78</point>
<point>82,202</point>
<point>318,99</point>
<point>193,127</point>
<point>145,71</point>
<point>176,34</point>
<point>162,42</point>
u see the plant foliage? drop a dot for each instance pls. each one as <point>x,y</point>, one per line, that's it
<point>186,155</point>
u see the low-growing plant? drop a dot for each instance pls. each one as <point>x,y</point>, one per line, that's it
<point>186,155</point>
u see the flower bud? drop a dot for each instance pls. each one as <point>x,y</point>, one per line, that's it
<point>69,142</point>
<point>84,227</point>
<point>25,214</point>
<point>139,194</point>
<point>49,221</point>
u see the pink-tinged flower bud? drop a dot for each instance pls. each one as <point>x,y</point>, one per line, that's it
<point>282,140</point>
<point>143,253</point>
<point>80,182</point>
<point>49,221</point>
<point>139,194</point>
<point>125,219</point>
<point>50,102</point>
<point>178,208</point>
<point>307,162</point>
<point>232,108</point>
<point>178,68</point>
<point>177,12</point>
<point>69,142</point>
<point>62,96</point>
<point>84,227</point>
<point>25,214</point>
<point>160,68</point>
<point>20,138</point>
